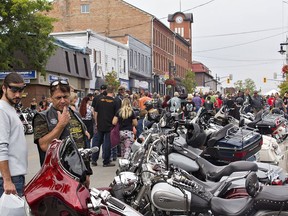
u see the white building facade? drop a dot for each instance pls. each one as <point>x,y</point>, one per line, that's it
<point>106,55</point>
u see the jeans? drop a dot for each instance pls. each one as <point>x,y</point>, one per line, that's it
<point>18,181</point>
<point>102,138</point>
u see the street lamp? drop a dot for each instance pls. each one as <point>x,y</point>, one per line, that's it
<point>282,51</point>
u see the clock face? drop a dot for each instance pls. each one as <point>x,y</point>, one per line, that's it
<point>179,19</point>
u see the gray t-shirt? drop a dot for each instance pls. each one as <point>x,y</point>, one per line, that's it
<point>13,146</point>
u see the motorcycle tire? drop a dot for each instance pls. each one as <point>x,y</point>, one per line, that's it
<point>271,213</point>
<point>284,137</point>
<point>30,129</point>
<point>25,128</point>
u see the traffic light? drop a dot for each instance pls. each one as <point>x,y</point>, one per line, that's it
<point>228,80</point>
<point>264,79</point>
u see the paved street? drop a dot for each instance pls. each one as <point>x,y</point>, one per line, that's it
<point>102,177</point>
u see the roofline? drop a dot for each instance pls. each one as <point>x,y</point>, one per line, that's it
<point>94,34</point>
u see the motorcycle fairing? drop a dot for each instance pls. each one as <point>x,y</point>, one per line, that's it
<point>54,182</point>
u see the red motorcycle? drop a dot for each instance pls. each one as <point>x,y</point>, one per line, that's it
<point>58,188</point>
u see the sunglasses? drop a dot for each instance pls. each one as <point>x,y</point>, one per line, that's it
<point>57,82</point>
<point>15,89</point>
<point>65,97</point>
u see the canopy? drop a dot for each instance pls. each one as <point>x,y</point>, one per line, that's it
<point>273,91</point>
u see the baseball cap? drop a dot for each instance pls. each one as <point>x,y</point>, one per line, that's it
<point>103,87</point>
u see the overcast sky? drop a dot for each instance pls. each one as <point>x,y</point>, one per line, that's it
<point>239,37</point>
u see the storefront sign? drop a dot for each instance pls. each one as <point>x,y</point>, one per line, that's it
<point>25,74</point>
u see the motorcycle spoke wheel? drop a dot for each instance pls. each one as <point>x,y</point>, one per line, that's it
<point>272,213</point>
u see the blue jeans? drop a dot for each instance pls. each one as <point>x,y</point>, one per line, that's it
<point>18,181</point>
<point>102,138</point>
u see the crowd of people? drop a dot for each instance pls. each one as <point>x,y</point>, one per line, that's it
<point>90,120</point>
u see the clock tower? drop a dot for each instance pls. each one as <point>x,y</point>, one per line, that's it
<point>180,23</point>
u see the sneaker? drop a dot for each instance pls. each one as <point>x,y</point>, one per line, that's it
<point>94,163</point>
<point>109,165</point>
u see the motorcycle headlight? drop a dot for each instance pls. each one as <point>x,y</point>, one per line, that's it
<point>128,181</point>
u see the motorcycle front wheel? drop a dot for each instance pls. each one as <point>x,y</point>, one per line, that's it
<point>25,128</point>
<point>271,213</point>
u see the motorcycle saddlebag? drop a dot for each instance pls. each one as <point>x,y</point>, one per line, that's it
<point>239,145</point>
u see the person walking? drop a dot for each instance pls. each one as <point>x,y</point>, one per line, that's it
<point>33,105</point>
<point>59,122</point>
<point>175,103</point>
<point>257,102</point>
<point>105,110</point>
<point>126,119</point>
<point>86,112</point>
<point>13,146</point>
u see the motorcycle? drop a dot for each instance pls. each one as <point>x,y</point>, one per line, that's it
<point>27,125</point>
<point>155,189</point>
<point>269,152</point>
<point>268,123</point>
<point>58,187</point>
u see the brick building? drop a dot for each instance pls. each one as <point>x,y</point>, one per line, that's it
<point>170,51</point>
<point>203,76</point>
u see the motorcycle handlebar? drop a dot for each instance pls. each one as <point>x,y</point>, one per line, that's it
<point>88,151</point>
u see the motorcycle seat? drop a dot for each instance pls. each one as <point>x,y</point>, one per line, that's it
<point>257,118</point>
<point>241,206</point>
<point>215,173</point>
<point>216,136</point>
<point>272,197</point>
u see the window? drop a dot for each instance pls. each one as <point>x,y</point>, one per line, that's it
<point>67,61</point>
<point>124,66</point>
<point>106,62</point>
<point>131,59</point>
<point>76,64</point>
<point>86,67</point>
<point>113,64</point>
<point>142,62</point>
<point>139,61</point>
<point>135,59</point>
<point>85,8</point>
<point>97,56</point>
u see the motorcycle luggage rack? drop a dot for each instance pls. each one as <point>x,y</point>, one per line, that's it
<point>242,137</point>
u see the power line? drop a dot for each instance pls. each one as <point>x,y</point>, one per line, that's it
<point>241,44</point>
<point>237,66</point>
<point>238,33</point>
<point>238,60</point>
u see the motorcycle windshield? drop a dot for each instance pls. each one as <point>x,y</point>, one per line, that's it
<point>71,159</point>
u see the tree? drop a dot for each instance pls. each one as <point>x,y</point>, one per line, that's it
<point>283,87</point>
<point>189,81</point>
<point>239,86</point>
<point>24,34</point>
<point>112,79</point>
<point>248,84</point>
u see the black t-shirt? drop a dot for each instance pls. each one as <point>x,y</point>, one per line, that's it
<point>126,124</point>
<point>95,99</point>
<point>106,109</point>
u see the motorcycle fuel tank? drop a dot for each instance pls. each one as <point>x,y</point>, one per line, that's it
<point>166,197</point>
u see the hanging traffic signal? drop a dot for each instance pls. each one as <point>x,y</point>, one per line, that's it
<point>264,79</point>
<point>228,80</point>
